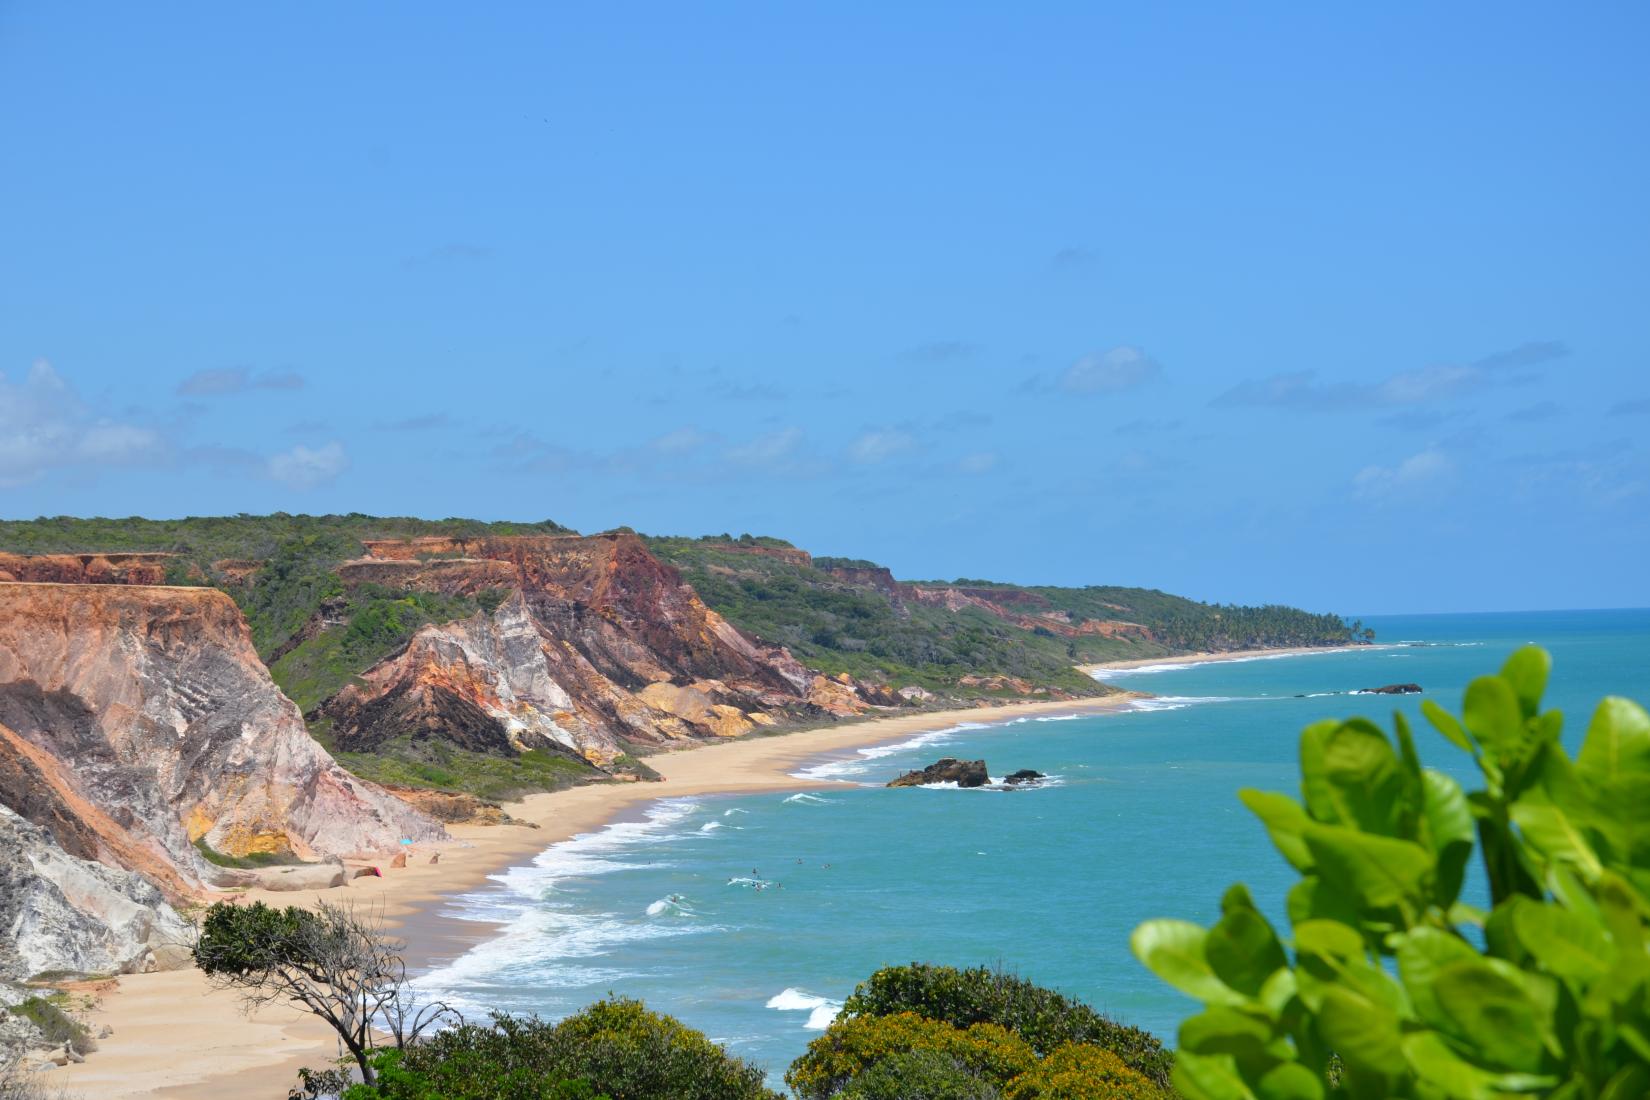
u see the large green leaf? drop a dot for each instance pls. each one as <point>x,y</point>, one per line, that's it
<point>1421,955</point>
<point>1617,744</point>
<point>1364,782</point>
<point>1243,950</point>
<point>1445,723</point>
<point>1378,871</point>
<point>1289,1081</point>
<point>1569,945</point>
<point>1174,951</point>
<point>1526,672</point>
<point>1362,1031</point>
<point>1328,939</point>
<point>1435,1063</point>
<point>1247,1038</point>
<point>1450,832</point>
<point>1284,819</point>
<point>1313,899</point>
<point>1209,1077</point>
<point>1550,831</point>
<point>1489,1007</point>
<point>1316,792</point>
<point>1492,714</point>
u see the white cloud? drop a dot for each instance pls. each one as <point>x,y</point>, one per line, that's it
<point>681,441</point>
<point>765,449</point>
<point>1420,470</point>
<point>1118,369</point>
<point>305,467</point>
<point>227,380</point>
<point>879,445</point>
<point>979,462</point>
<point>45,426</point>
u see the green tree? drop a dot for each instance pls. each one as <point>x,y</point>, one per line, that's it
<point>613,1050</point>
<point>1390,985</point>
<point>333,962</point>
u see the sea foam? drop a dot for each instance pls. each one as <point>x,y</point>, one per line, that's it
<point>821,1010</point>
<point>841,770</point>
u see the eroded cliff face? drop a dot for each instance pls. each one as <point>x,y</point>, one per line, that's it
<point>599,643</point>
<point>136,721</point>
<point>62,913</point>
<point>135,568</point>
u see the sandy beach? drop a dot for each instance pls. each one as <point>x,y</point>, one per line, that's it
<point>1211,658</point>
<point>174,1036</point>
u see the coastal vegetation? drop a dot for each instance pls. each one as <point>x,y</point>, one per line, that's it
<point>1396,981</point>
<point>1042,1017</point>
<point>320,618</point>
<point>612,1050</point>
<point>332,962</point>
<point>851,616</point>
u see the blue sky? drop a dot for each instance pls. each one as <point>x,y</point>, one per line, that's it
<point>1336,306</point>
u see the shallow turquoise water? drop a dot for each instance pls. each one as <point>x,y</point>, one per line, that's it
<point>1141,821</point>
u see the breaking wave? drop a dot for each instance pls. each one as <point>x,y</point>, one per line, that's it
<point>821,1010</point>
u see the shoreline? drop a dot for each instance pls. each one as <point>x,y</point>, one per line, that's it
<point>175,1036</point>
<point>1212,657</point>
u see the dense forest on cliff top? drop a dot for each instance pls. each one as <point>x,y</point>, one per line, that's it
<point>851,615</point>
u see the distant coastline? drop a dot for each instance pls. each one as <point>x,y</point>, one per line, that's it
<point>1135,664</point>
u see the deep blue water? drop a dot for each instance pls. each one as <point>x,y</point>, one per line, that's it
<point>1142,820</point>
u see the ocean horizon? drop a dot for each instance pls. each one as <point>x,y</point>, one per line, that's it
<point>751,917</point>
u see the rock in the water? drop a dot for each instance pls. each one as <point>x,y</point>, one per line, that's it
<point>1024,775</point>
<point>1392,689</point>
<point>964,773</point>
<point>60,913</point>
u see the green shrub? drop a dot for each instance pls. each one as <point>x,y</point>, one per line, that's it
<point>1390,976</point>
<point>1076,1071</point>
<point>614,1048</point>
<point>853,1045</point>
<point>465,1071</point>
<point>919,1075</point>
<point>1042,1017</point>
<point>633,1054</point>
<point>57,1026</point>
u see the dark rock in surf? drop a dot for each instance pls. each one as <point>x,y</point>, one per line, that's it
<point>1392,689</point>
<point>1024,775</point>
<point>964,773</point>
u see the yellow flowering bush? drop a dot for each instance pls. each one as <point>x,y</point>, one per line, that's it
<point>1080,1071</point>
<point>850,1046</point>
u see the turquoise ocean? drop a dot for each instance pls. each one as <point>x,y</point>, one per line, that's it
<point>751,917</point>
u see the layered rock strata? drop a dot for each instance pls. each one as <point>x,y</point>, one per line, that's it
<point>136,568</point>
<point>599,644</point>
<point>59,913</point>
<point>137,723</point>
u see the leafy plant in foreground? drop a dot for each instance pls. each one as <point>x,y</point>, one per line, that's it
<point>1390,984</point>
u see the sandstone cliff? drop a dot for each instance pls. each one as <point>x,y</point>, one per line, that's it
<point>137,721</point>
<point>60,913</point>
<point>599,644</point>
<point>140,568</point>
